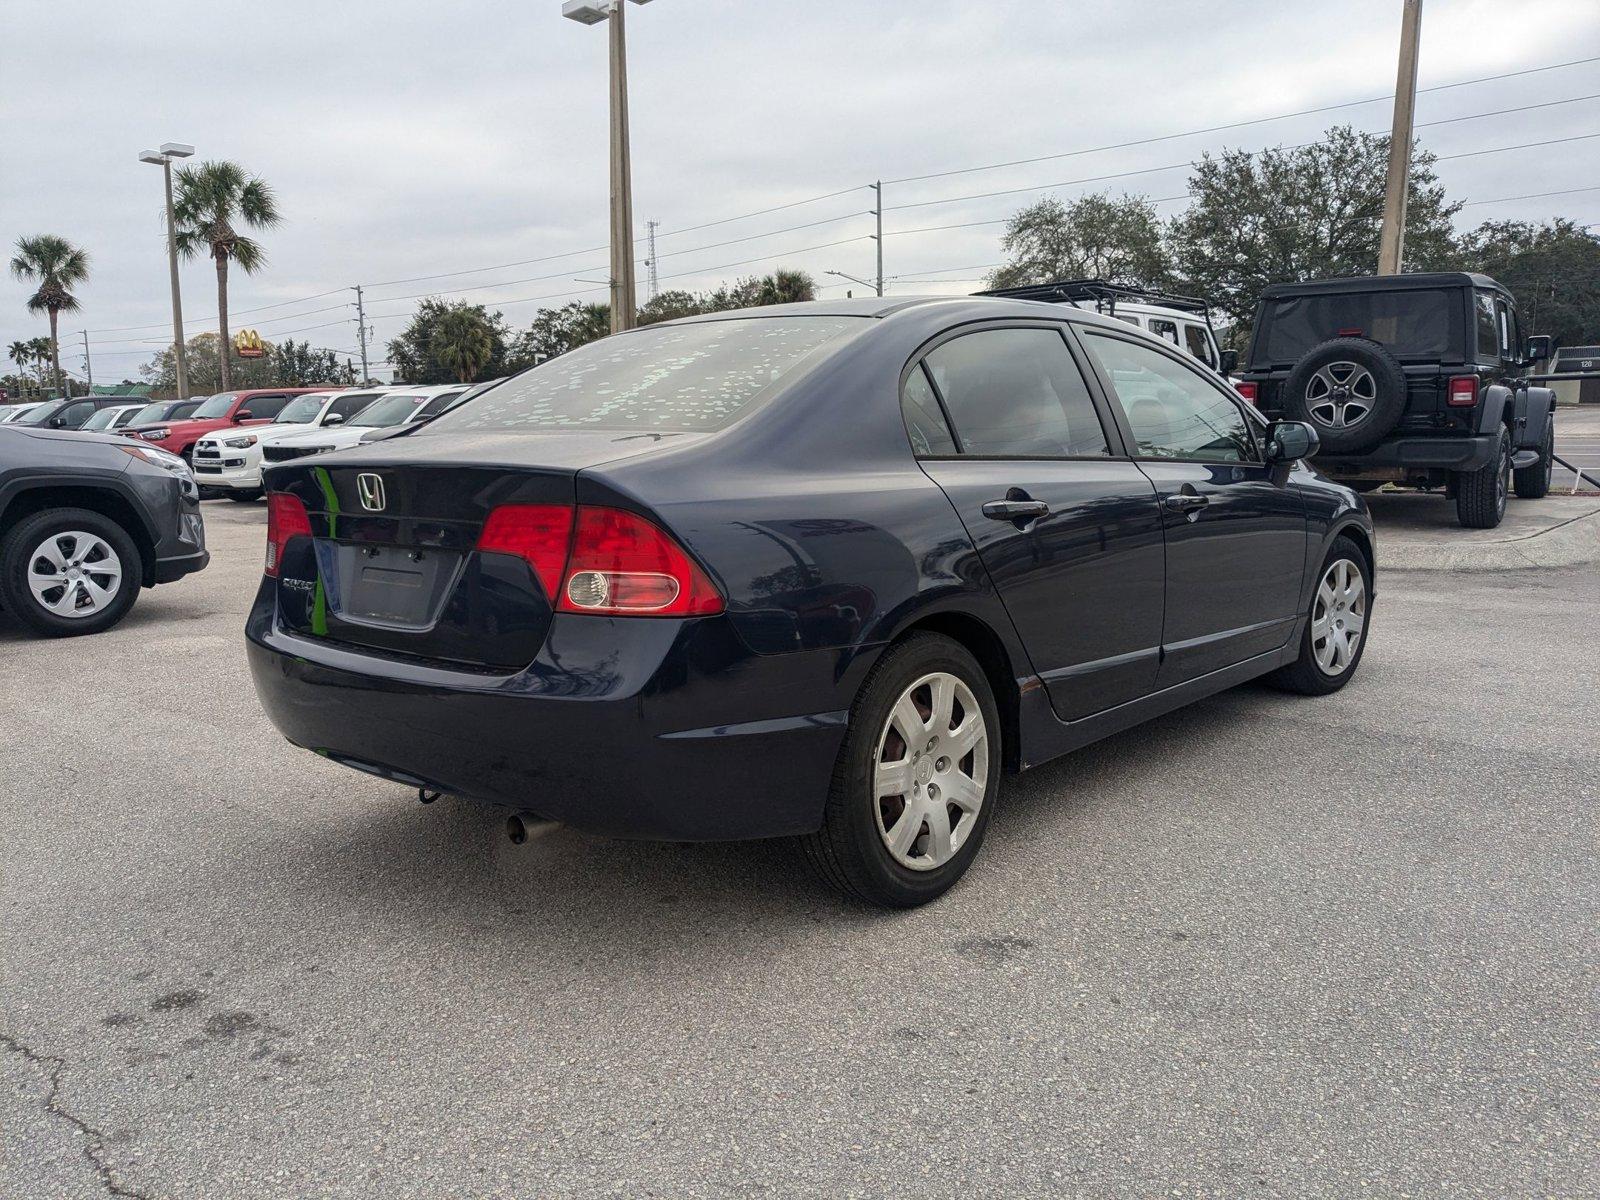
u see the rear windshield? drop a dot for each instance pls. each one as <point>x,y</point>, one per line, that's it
<point>669,378</point>
<point>1424,323</point>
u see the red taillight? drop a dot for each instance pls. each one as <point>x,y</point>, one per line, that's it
<point>1463,391</point>
<point>286,518</point>
<point>537,533</point>
<point>1247,390</point>
<point>602,560</point>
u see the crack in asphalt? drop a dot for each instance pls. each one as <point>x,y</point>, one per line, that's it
<point>52,1065</point>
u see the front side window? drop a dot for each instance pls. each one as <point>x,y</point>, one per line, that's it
<point>930,434</point>
<point>1016,393</point>
<point>264,407</point>
<point>693,378</point>
<point>1173,411</point>
<point>215,408</point>
<point>390,410</point>
<point>301,410</point>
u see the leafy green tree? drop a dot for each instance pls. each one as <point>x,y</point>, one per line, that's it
<point>299,364</point>
<point>783,286</point>
<point>213,200</point>
<point>413,354</point>
<point>1553,269</point>
<point>54,266</point>
<point>205,368</point>
<point>556,330</point>
<point>668,306</point>
<point>463,341</point>
<point>1118,238</point>
<point>1308,212</point>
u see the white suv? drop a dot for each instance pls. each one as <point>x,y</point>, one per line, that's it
<point>230,459</point>
<point>1181,320</point>
<point>401,406</point>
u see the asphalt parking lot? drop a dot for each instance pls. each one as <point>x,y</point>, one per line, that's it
<point>1266,946</point>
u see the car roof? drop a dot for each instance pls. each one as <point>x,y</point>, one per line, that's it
<point>1386,283</point>
<point>972,308</point>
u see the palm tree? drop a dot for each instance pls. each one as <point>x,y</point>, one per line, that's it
<point>211,198</point>
<point>40,349</point>
<point>22,354</point>
<point>55,264</point>
<point>462,341</point>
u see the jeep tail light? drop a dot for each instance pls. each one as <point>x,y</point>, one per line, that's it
<point>1247,390</point>
<point>286,518</point>
<point>1463,391</point>
<point>537,533</point>
<point>602,560</point>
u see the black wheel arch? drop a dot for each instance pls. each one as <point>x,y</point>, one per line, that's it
<point>24,497</point>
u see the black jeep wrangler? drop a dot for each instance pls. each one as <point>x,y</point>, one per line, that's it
<point>1418,380</point>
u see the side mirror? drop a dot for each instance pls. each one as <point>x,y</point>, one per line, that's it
<point>333,419</point>
<point>1288,441</point>
<point>1230,362</point>
<point>242,415</point>
<point>1538,347</point>
<point>58,422</point>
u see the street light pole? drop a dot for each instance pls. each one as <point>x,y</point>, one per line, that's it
<point>624,290</point>
<point>1391,248</point>
<point>164,156</point>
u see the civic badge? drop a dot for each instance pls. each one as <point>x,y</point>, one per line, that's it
<point>370,488</point>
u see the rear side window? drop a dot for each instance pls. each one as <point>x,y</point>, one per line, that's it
<point>688,378</point>
<point>1488,327</point>
<point>1199,345</point>
<point>349,406</point>
<point>930,434</point>
<point>1173,411</point>
<point>1016,393</point>
<point>1166,330</point>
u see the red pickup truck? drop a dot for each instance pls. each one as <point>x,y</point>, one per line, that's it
<point>256,407</point>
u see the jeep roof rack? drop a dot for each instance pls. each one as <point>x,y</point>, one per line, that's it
<point>1102,292</point>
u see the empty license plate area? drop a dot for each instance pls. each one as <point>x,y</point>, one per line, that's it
<point>397,587</point>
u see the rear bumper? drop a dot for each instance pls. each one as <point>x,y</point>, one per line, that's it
<point>657,729</point>
<point>1450,453</point>
<point>168,570</point>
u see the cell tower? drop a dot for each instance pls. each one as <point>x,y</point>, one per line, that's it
<point>650,262</point>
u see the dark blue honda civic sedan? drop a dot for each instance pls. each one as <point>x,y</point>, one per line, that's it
<point>824,570</point>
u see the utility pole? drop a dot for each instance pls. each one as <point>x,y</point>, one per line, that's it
<point>877,211</point>
<point>88,367</point>
<point>1391,251</point>
<point>650,263</point>
<point>623,299</point>
<point>361,332</point>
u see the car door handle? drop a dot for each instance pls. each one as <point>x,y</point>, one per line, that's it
<point>1016,510</point>
<point>1186,502</point>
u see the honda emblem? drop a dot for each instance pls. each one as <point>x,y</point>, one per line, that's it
<point>370,488</point>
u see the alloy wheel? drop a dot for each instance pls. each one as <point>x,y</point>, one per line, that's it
<point>74,574</point>
<point>1341,395</point>
<point>930,772</point>
<point>1338,616</point>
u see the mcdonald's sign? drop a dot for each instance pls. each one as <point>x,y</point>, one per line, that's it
<point>248,344</point>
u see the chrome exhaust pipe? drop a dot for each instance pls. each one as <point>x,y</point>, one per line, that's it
<point>522,827</point>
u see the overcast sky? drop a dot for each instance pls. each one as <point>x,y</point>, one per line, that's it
<point>410,139</point>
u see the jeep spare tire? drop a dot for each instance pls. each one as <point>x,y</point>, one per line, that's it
<point>1351,390</point>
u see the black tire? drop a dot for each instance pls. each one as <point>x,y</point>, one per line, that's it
<point>1306,675</point>
<point>849,851</point>
<point>1533,483</point>
<point>246,497</point>
<point>24,539</point>
<point>1481,495</point>
<point>1378,388</point>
